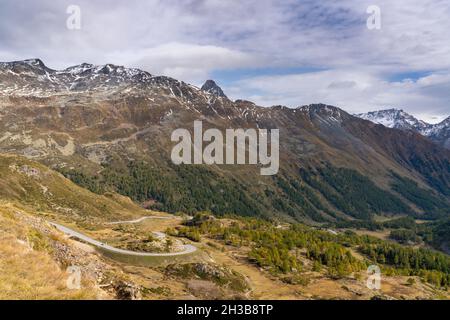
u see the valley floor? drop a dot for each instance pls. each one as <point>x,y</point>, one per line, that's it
<point>35,255</point>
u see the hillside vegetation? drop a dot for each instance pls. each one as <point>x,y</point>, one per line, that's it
<point>28,269</point>
<point>31,184</point>
<point>282,250</point>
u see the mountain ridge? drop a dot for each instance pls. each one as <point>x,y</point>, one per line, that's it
<point>115,136</point>
<point>399,119</point>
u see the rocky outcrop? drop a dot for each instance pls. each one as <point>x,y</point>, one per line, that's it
<point>211,87</point>
<point>127,291</point>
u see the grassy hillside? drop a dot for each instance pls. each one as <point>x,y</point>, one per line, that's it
<point>34,185</point>
<point>28,269</point>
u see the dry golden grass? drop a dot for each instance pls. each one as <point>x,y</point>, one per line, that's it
<point>27,273</point>
<point>383,234</point>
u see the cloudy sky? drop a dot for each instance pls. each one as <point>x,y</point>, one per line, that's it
<point>289,52</point>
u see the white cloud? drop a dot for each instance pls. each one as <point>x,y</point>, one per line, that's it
<point>188,62</point>
<point>355,91</point>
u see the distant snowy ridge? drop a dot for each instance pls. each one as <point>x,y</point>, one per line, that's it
<point>399,119</point>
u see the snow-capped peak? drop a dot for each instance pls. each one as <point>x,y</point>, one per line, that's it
<point>395,118</point>
<point>211,87</point>
<point>33,77</point>
<point>399,119</point>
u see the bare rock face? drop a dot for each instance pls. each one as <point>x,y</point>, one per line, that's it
<point>210,281</point>
<point>208,270</point>
<point>31,172</point>
<point>127,291</point>
<point>211,87</point>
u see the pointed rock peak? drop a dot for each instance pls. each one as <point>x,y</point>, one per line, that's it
<point>211,87</point>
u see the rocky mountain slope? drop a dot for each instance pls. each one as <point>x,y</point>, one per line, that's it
<point>32,184</point>
<point>399,119</point>
<point>211,87</point>
<point>440,133</point>
<point>108,128</point>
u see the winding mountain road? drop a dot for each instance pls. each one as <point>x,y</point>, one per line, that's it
<point>72,233</point>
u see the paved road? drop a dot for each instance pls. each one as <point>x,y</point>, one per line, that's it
<point>159,235</point>
<point>72,233</point>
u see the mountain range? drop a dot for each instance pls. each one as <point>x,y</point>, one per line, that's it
<point>399,119</point>
<point>108,128</point>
